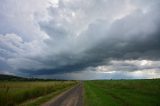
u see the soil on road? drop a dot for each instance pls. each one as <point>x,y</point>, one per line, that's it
<point>72,97</point>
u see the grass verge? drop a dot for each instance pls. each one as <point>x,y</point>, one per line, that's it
<point>13,93</point>
<point>40,100</point>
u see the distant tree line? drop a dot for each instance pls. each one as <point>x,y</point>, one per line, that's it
<point>17,78</point>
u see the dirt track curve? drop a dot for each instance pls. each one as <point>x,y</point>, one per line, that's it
<point>72,97</point>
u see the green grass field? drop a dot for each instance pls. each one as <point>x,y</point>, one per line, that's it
<point>122,93</point>
<point>96,93</point>
<point>18,92</point>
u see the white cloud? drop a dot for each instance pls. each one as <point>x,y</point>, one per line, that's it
<point>129,65</point>
<point>6,72</point>
<point>21,16</point>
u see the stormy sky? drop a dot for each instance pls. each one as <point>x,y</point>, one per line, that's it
<point>80,39</point>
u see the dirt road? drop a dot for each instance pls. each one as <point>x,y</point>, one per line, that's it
<point>72,97</point>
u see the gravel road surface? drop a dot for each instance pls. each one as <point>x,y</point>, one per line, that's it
<point>71,97</point>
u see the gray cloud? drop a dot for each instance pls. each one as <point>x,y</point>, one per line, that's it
<point>67,37</point>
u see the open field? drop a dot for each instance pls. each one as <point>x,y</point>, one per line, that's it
<point>122,93</point>
<point>17,92</point>
<point>96,93</point>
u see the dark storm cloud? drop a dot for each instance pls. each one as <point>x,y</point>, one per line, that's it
<point>69,37</point>
<point>123,38</point>
<point>136,36</point>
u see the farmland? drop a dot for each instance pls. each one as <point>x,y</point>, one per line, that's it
<point>18,92</point>
<point>122,93</point>
<point>90,93</point>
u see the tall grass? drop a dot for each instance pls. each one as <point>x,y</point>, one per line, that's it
<point>14,93</point>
